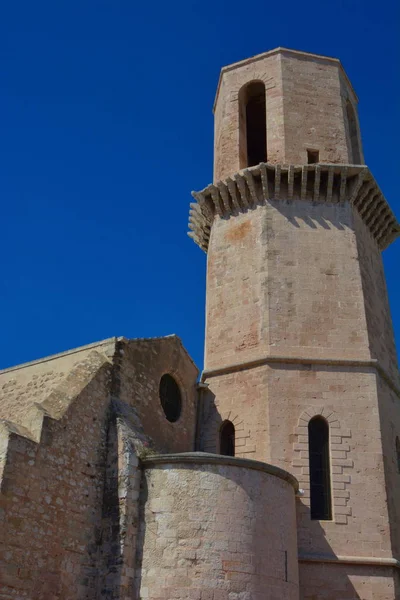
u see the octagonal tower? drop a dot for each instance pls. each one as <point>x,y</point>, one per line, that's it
<point>300,360</point>
<point>309,105</point>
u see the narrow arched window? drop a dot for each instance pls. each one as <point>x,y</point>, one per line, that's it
<point>398,454</point>
<point>252,124</point>
<point>353,133</point>
<point>227,439</point>
<point>320,472</point>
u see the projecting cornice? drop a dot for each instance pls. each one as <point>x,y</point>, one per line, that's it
<point>265,182</point>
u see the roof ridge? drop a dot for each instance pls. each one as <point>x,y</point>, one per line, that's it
<point>60,354</point>
<point>94,345</point>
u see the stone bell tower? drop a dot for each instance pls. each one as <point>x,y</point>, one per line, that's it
<point>300,358</point>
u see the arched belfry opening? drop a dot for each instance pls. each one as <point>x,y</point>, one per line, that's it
<point>252,124</point>
<point>227,439</point>
<point>353,133</point>
<point>320,471</point>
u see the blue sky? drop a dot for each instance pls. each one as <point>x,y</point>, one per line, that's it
<point>106,127</point>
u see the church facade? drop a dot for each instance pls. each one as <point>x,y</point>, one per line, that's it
<point>275,475</point>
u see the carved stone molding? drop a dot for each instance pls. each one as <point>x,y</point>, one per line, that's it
<point>324,183</point>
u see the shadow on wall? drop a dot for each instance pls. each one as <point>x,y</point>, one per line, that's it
<point>316,215</point>
<point>325,216</point>
<point>210,422</point>
<point>109,535</point>
<point>125,443</point>
<point>313,575</point>
<point>316,578</point>
<point>144,493</point>
<point>340,579</point>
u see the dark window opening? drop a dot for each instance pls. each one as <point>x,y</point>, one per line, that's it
<point>227,439</point>
<point>353,133</point>
<point>286,566</point>
<point>170,398</point>
<point>312,157</point>
<point>398,454</point>
<point>320,476</point>
<point>253,124</point>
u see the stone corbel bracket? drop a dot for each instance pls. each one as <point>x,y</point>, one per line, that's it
<point>265,182</point>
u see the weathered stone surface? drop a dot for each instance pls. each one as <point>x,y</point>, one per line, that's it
<point>298,322</point>
<point>323,184</point>
<point>306,98</point>
<point>69,479</point>
<point>217,526</point>
<point>99,498</point>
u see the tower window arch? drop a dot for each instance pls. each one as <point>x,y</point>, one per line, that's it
<point>227,439</point>
<point>353,133</point>
<point>398,454</point>
<point>252,124</point>
<point>320,472</point>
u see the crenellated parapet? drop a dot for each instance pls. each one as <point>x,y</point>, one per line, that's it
<point>321,183</point>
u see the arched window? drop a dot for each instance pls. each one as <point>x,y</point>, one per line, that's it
<point>320,472</point>
<point>252,124</point>
<point>398,454</point>
<point>227,439</point>
<point>353,133</point>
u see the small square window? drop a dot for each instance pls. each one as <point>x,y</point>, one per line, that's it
<point>312,157</point>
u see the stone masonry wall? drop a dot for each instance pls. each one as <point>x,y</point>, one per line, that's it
<point>141,427</point>
<point>143,364</point>
<point>24,387</point>
<point>119,524</point>
<point>378,317</point>
<point>240,397</point>
<point>271,406</point>
<point>217,532</point>
<point>314,289</point>
<point>294,290</point>
<point>348,582</point>
<point>300,115</point>
<point>313,116</point>
<point>284,279</point>
<point>70,483</point>
<point>51,499</point>
<point>348,96</point>
<point>226,124</point>
<point>348,399</point>
<point>236,317</point>
<point>389,414</point>
<point>298,322</point>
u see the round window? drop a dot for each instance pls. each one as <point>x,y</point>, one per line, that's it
<point>170,397</point>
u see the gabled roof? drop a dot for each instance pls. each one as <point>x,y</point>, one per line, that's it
<point>49,385</point>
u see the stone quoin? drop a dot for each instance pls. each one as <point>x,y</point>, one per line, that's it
<point>275,475</point>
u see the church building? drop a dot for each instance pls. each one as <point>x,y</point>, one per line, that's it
<point>125,474</point>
